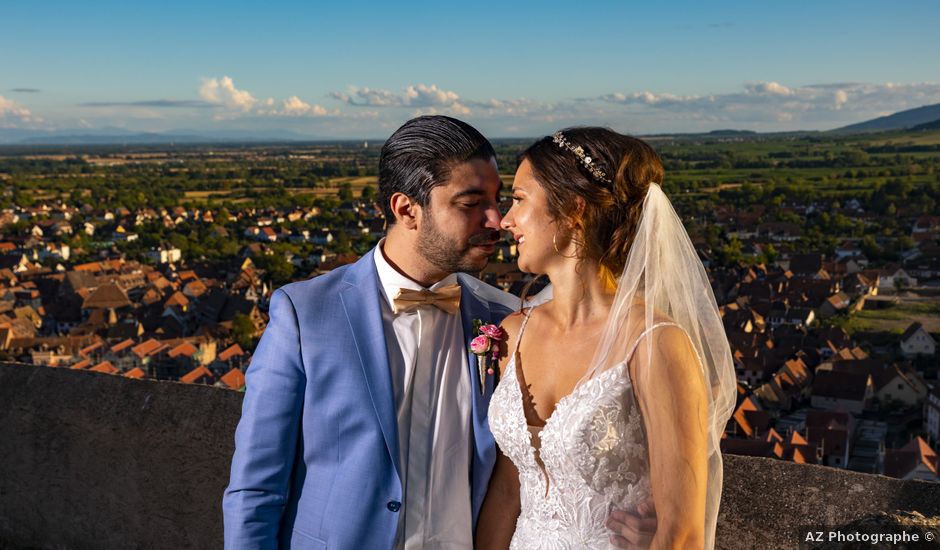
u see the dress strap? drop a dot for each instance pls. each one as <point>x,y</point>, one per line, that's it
<point>647,331</point>
<point>525,321</point>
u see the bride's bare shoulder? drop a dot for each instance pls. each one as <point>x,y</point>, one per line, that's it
<point>512,323</point>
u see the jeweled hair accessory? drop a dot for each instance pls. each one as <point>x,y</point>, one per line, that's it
<point>587,161</point>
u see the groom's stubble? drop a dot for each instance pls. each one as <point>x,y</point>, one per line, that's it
<point>445,252</point>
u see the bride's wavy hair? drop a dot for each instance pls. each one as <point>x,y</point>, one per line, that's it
<point>604,230</point>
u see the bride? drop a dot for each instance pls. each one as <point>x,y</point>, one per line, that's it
<point>614,393</point>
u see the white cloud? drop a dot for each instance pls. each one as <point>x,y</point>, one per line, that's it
<point>13,114</point>
<point>841,97</point>
<point>427,99</point>
<point>810,106</point>
<point>222,91</point>
<point>296,107</point>
<point>769,88</point>
<point>234,102</point>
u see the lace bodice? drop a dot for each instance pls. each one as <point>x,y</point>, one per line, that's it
<point>593,458</point>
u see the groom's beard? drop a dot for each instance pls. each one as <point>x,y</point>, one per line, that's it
<point>446,253</point>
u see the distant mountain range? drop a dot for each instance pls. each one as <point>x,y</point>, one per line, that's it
<point>935,125</point>
<point>921,118</point>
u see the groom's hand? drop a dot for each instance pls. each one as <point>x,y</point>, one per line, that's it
<point>633,530</point>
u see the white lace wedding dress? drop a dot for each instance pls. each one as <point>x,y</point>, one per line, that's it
<point>589,458</point>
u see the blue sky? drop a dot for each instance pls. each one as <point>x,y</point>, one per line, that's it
<point>525,69</point>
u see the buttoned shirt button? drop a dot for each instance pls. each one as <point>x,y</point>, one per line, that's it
<point>393,506</point>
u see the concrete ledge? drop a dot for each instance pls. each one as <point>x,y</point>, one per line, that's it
<point>92,460</point>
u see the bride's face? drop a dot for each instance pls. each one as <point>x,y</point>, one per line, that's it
<point>530,222</point>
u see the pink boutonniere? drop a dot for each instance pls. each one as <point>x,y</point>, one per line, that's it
<point>485,345</point>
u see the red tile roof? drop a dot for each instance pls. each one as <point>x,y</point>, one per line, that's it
<point>185,349</point>
<point>148,348</point>
<point>234,379</point>
<point>177,299</point>
<point>135,372</point>
<point>232,351</point>
<point>194,375</point>
<point>121,346</point>
<point>105,367</point>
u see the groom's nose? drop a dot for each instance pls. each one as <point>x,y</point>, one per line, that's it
<point>493,218</point>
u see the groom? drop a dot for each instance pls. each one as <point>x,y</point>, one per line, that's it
<point>364,420</point>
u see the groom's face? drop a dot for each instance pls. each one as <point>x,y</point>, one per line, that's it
<point>459,227</point>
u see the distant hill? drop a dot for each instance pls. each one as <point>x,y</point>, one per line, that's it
<point>935,125</point>
<point>732,133</point>
<point>903,120</point>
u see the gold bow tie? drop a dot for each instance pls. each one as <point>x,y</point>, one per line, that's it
<point>445,298</point>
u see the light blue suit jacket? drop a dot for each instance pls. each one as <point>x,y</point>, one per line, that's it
<point>316,450</point>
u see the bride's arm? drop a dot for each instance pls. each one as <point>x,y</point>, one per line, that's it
<point>671,392</point>
<point>497,521</point>
<point>501,507</point>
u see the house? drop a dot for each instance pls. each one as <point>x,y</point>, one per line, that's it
<point>916,460</point>
<point>105,367</point>
<point>893,276</point>
<point>792,383</point>
<point>136,373</point>
<point>837,303</point>
<point>858,284</point>
<point>749,420</point>
<point>109,296</point>
<point>889,382</point>
<point>165,254</point>
<point>798,317</point>
<point>848,249</point>
<point>233,379</point>
<point>323,237</point>
<point>267,234</point>
<point>232,356</point>
<point>830,432</point>
<point>808,266</point>
<point>753,370</point>
<point>839,390</point>
<point>917,341</point>
<point>199,375</point>
<point>779,231</point>
<point>144,353</point>
<point>794,448</point>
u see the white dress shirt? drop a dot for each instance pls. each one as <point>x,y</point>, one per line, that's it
<point>431,383</point>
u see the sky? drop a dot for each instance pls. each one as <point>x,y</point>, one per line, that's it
<point>512,69</point>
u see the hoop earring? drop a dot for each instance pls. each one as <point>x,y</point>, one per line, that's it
<point>555,246</point>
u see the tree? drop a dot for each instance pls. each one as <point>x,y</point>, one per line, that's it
<point>243,331</point>
<point>345,192</point>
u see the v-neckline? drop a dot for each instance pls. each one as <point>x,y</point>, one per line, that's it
<point>517,382</point>
<point>535,454</point>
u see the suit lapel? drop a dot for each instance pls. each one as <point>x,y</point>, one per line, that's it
<point>471,307</point>
<point>484,446</point>
<point>361,303</point>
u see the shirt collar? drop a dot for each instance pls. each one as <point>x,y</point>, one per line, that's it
<point>390,279</point>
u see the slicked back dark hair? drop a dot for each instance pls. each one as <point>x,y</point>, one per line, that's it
<point>420,155</point>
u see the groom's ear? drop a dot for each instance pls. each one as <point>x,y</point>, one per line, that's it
<point>406,210</point>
